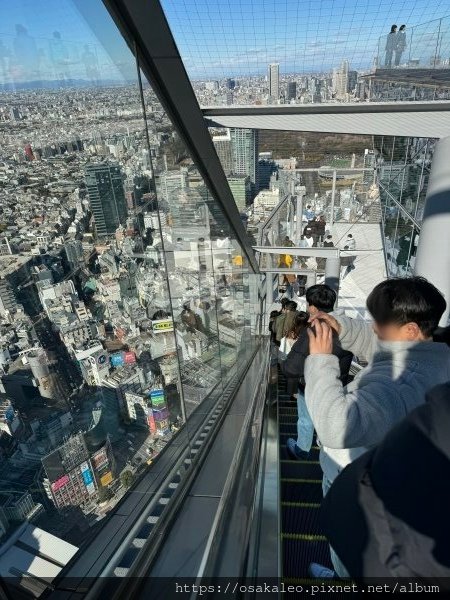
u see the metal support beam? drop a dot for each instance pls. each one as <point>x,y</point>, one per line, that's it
<point>144,26</point>
<point>293,251</point>
<point>433,252</point>
<point>404,119</point>
<point>299,221</point>
<point>332,273</point>
<point>333,198</point>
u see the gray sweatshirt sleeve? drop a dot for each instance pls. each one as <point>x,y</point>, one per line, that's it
<point>357,336</point>
<point>348,419</point>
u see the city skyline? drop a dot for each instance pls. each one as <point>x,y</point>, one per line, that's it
<point>218,42</point>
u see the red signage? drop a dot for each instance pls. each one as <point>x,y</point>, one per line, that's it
<point>151,421</point>
<point>59,483</point>
<point>129,357</point>
<point>99,459</point>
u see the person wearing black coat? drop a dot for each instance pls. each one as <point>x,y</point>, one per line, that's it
<point>318,298</point>
<point>387,513</point>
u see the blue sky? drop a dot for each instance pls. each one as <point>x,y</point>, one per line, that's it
<point>222,38</point>
<point>239,37</point>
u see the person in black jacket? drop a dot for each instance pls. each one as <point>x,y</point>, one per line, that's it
<point>387,513</point>
<point>299,325</point>
<point>318,298</point>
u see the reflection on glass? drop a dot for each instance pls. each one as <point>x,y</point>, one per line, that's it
<point>125,298</point>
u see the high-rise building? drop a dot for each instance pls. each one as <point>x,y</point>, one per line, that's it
<point>222,144</point>
<point>8,302</point>
<point>292,90</point>
<point>74,253</point>
<point>244,154</point>
<point>104,182</point>
<point>274,81</point>
<point>69,474</point>
<point>266,167</point>
<point>231,84</point>
<point>369,163</point>
<point>171,183</point>
<point>352,80</point>
<point>241,189</point>
<point>340,80</point>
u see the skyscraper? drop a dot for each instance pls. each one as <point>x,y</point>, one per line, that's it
<point>240,188</point>
<point>274,81</point>
<point>104,182</point>
<point>369,163</point>
<point>352,80</point>
<point>244,154</point>
<point>292,90</point>
<point>266,167</point>
<point>8,302</point>
<point>222,144</point>
<point>340,80</point>
<point>74,253</point>
<point>171,183</point>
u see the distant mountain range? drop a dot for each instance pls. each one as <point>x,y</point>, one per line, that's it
<point>54,84</point>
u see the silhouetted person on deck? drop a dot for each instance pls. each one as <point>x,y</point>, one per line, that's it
<point>391,45</point>
<point>401,45</point>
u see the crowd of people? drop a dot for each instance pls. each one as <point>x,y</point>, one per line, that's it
<point>315,234</point>
<point>383,435</point>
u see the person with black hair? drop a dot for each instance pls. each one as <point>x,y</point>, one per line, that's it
<point>318,298</point>
<point>328,242</point>
<point>400,45</point>
<point>299,325</point>
<point>391,44</point>
<point>403,364</point>
<point>273,315</point>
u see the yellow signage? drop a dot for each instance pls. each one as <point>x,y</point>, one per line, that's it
<point>107,478</point>
<point>162,325</point>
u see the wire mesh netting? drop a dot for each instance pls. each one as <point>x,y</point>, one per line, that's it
<point>266,51</point>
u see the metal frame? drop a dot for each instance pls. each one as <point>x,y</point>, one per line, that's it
<point>403,119</point>
<point>293,251</point>
<point>145,29</point>
<point>327,109</point>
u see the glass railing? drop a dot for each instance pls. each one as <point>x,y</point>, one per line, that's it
<point>403,172</point>
<point>425,46</point>
<point>329,204</point>
<point>128,305</point>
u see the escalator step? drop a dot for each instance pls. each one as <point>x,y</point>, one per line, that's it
<point>301,521</point>
<point>300,492</point>
<point>313,453</point>
<point>288,429</point>
<point>299,553</point>
<point>302,469</point>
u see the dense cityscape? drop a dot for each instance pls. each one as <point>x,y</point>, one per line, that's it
<point>124,298</point>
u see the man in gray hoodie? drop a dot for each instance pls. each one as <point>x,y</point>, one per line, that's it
<point>403,364</point>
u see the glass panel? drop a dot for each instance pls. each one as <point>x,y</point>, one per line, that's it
<point>124,293</point>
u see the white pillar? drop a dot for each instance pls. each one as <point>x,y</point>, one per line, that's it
<point>310,279</point>
<point>433,252</point>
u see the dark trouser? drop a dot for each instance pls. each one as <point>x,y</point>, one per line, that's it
<point>339,568</point>
<point>398,57</point>
<point>388,58</point>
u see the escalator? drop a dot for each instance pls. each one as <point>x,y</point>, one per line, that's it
<point>302,540</point>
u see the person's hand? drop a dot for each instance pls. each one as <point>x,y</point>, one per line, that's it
<point>328,319</point>
<point>320,339</point>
